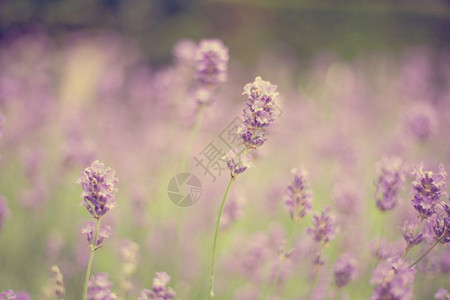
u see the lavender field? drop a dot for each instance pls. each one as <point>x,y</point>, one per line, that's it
<point>196,166</point>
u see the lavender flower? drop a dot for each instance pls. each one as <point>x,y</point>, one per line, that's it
<point>4,210</point>
<point>99,185</point>
<point>323,230</point>
<point>441,226</point>
<point>58,282</point>
<point>442,294</point>
<point>99,288</point>
<point>259,113</point>
<point>236,163</point>
<point>393,279</point>
<point>427,190</point>
<point>211,61</point>
<point>298,194</point>
<point>103,233</point>
<point>421,121</point>
<point>8,295</point>
<point>390,179</point>
<point>159,291</point>
<point>344,269</point>
<point>409,233</point>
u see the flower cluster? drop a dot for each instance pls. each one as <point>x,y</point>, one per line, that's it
<point>99,185</point>
<point>442,294</point>
<point>259,112</point>
<point>298,194</point>
<point>89,231</point>
<point>393,279</point>
<point>323,230</point>
<point>441,226</point>
<point>409,233</point>
<point>160,290</point>
<point>236,163</point>
<point>344,269</point>
<point>390,179</point>
<point>99,288</point>
<point>211,61</point>
<point>8,295</point>
<point>427,189</point>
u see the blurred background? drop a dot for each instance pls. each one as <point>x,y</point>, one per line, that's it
<point>82,80</point>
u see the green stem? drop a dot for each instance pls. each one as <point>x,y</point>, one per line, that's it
<point>277,274</point>
<point>316,278</point>
<point>425,254</point>
<point>91,259</point>
<point>211,283</point>
<point>415,235</point>
<point>192,137</point>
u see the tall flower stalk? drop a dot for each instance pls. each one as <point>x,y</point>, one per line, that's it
<point>258,115</point>
<point>99,184</point>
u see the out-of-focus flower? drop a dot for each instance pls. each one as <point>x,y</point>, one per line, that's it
<point>383,250</point>
<point>233,209</point>
<point>8,295</point>
<point>427,189</point>
<point>160,290</point>
<point>103,233</point>
<point>421,121</point>
<point>442,294</point>
<point>237,163</point>
<point>409,233</point>
<point>393,279</point>
<point>298,194</point>
<point>58,282</point>
<point>344,269</point>
<point>259,113</point>
<point>323,230</point>
<point>99,288</point>
<point>99,185</point>
<point>390,179</point>
<point>4,211</point>
<point>184,51</point>
<point>211,61</point>
<point>128,254</point>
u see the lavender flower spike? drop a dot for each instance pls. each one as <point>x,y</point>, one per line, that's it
<point>211,62</point>
<point>259,112</point>
<point>409,233</point>
<point>159,291</point>
<point>99,185</point>
<point>100,288</point>
<point>237,163</point>
<point>4,210</point>
<point>298,194</point>
<point>441,226</point>
<point>393,279</point>
<point>344,269</point>
<point>442,294</point>
<point>89,231</point>
<point>427,190</point>
<point>390,179</point>
<point>323,230</point>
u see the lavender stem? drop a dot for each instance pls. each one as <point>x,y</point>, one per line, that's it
<point>91,259</point>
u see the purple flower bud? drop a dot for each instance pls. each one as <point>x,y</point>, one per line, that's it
<point>390,179</point>
<point>393,279</point>
<point>409,231</point>
<point>427,190</point>
<point>211,61</point>
<point>159,291</point>
<point>237,163</point>
<point>103,233</point>
<point>298,194</point>
<point>99,288</point>
<point>344,269</point>
<point>323,230</point>
<point>442,294</point>
<point>441,226</point>
<point>99,185</point>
